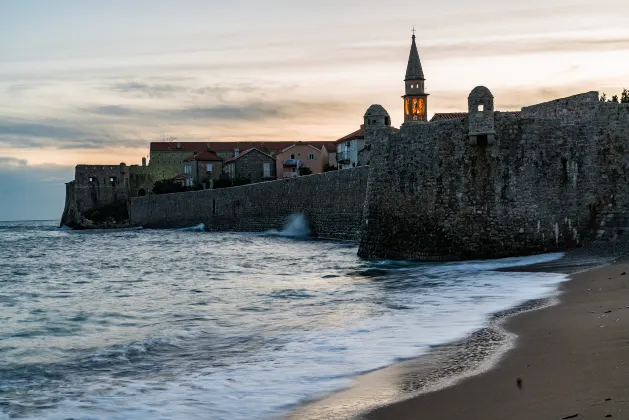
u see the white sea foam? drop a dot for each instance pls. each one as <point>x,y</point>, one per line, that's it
<point>197,228</point>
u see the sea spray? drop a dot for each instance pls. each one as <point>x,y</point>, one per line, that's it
<point>296,227</point>
<point>198,228</point>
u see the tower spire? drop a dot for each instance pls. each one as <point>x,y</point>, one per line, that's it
<point>414,69</point>
<point>415,98</point>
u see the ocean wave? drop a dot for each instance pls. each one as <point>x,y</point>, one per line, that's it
<point>278,321</point>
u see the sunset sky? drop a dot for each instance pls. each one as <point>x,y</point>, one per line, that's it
<point>94,81</point>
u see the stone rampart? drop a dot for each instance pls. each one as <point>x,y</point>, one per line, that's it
<point>332,202</point>
<point>82,199</point>
<point>571,110</point>
<point>434,195</point>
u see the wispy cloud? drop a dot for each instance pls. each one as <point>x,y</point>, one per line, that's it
<point>151,90</point>
<point>59,135</point>
<point>11,161</point>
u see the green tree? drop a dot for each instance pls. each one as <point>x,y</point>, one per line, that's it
<point>304,170</point>
<point>168,186</point>
<point>614,98</point>
<point>604,97</point>
<point>624,97</point>
<point>327,167</point>
<point>241,181</point>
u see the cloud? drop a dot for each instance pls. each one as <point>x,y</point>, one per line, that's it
<point>11,161</point>
<point>153,90</point>
<point>60,135</point>
<point>245,111</point>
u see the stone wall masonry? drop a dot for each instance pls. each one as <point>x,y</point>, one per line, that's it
<point>433,196</point>
<point>571,110</point>
<point>81,198</point>
<point>332,202</point>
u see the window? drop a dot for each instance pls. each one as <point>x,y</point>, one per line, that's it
<point>481,108</point>
<point>266,169</point>
<point>311,156</point>
<point>292,156</point>
<point>187,169</point>
<point>91,179</point>
<point>209,167</point>
<point>112,179</point>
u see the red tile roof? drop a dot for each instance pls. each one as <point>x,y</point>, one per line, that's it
<point>448,116</point>
<point>440,116</point>
<point>241,154</point>
<point>358,134</point>
<point>229,146</point>
<point>204,156</point>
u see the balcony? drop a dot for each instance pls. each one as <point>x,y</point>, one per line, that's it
<point>291,162</point>
<point>343,157</point>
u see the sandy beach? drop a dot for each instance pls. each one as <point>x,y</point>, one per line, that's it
<point>570,360</point>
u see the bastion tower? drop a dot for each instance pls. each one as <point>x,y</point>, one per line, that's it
<point>415,99</point>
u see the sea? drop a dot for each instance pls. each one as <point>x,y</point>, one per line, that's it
<point>184,324</point>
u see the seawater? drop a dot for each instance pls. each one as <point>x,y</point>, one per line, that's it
<point>184,324</point>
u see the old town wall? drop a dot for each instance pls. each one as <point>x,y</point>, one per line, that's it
<point>332,203</point>
<point>434,195</point>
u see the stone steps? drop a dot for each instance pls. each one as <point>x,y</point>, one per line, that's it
<point>613,226</point>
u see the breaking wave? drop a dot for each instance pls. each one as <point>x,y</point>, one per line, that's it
<point>295,227</point>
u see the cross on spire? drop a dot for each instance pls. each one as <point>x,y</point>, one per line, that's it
<point>413,30</point>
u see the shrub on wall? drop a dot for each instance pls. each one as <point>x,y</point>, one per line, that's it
<point>304,170</point>
<point>222,183</point>
<point>168,186</point>
<point>240,181</point>
<point>327,167</point>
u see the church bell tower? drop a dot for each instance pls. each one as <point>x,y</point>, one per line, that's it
<point>415,99</point>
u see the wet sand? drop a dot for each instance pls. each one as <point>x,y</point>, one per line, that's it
<point>570,360</point>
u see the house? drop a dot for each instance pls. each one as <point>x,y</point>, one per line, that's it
<point>348,148</point>
<point>252,164</point>
<point>299,155</point>
<point>202,169</point>
<point>166,157</point>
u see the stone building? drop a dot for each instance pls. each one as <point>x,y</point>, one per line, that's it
<point>348,149</point>
<point>252,164</point>
<point>202,169</point>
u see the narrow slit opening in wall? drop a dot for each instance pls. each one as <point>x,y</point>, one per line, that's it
<point>482,140</point>
<point>214,206</point>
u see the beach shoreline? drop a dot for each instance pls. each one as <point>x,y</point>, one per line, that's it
<point>415,386</point>
<point>569,359</point>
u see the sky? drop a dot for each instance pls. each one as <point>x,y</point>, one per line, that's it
<point>94,81</point>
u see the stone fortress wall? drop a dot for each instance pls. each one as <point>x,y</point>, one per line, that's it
<point>95,186</point>
<point>501,186</point>
<point>332,203</point>
<point>491,184</point>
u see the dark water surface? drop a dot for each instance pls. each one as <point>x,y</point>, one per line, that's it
<point>142,324</point>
